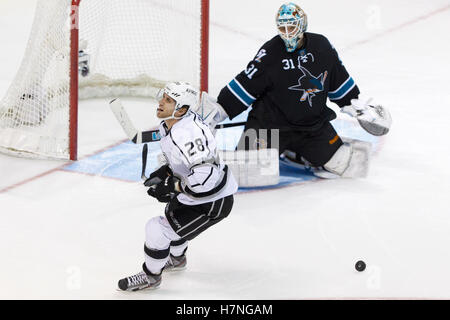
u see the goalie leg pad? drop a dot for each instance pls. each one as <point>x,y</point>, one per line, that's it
<point>351,160</point>
<point>253,168</point>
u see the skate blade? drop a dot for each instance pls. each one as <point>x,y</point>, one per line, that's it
<point>170,270</point>
<point>137,290</point>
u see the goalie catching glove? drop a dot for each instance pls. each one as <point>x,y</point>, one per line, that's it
<point>376,120</point>
<point>161,184</point>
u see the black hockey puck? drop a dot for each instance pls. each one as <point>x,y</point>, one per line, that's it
<point>360,265</point>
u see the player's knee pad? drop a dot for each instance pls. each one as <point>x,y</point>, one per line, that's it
<point>159,234</point>
<point>351,160</point>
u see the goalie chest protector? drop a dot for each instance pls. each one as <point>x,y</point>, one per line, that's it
<point>290,90</point>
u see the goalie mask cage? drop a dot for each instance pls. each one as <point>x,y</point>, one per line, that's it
<point>80,49</point>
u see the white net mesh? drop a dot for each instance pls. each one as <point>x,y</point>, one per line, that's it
<point>129,48</point>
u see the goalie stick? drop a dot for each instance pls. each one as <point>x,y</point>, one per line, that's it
<point>146,136</point>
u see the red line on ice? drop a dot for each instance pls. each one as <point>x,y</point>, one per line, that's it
<point>13,186</point>
<point>60,168</point>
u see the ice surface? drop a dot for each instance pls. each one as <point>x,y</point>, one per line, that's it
<point>70,235</point>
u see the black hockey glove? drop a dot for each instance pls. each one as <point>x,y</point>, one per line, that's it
<point>158,176</point>
<point>165,190</point>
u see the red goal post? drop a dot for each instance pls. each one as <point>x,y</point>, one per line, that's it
<point>129,47</point>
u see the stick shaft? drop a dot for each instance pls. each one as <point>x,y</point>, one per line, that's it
<point>230,125</point>
<point>144,161</point>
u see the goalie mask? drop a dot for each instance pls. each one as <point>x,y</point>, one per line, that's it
<point>184,95</point>
<point>292,22</point>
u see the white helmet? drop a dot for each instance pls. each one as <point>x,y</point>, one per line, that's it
<point>184,95</point>
<point>291,15</point>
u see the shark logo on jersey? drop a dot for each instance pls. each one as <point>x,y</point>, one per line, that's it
<point>309,84</point>
<point>303,57</point>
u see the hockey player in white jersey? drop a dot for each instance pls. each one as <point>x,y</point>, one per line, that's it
<point>196,185</point>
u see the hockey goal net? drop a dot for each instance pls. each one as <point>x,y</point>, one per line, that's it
<point>80,49</point>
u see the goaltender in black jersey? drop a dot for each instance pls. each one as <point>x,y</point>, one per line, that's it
<point>287,85</point>
<point>289,90</point>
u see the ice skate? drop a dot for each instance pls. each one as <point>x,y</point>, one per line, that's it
<point>175,263</point>
<point>142,280</point>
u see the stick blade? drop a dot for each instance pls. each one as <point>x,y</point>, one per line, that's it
<point>124,120</point>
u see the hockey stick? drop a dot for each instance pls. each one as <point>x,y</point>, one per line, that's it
<point>146,136</point>
<point>125,121</point>
<point>155,180</point>
<point>230,125</point>
<point>144,161</point>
